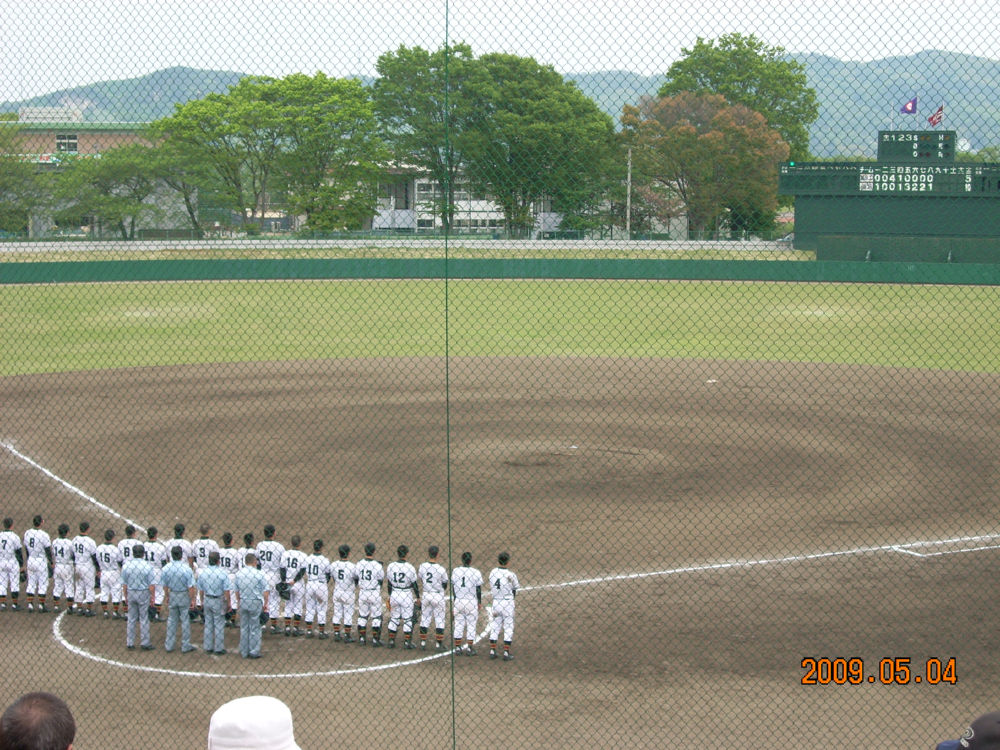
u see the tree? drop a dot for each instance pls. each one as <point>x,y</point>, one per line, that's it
<point>331,152</point>
<point>538,137</point>
<point>745,71</point>
<point>113,188</point>
<point>184,173</point>
<point>21,188</point>
<point>424,104</point>
<point>720,159</point>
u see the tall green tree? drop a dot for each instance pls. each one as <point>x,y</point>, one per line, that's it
<point>744,70</point>
<point>21,187</point>
<point>186,174</point>
<point>114,188</point>
<point>721,160</point>
<point>331,152</point>
<point>538,138</point>
<point>423,100</point>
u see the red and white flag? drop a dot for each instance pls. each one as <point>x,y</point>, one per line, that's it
<point>937,116</point>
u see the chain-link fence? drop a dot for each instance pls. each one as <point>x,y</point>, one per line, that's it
<point>641,311</point>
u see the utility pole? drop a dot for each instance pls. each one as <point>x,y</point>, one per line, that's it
<point>628,198</point>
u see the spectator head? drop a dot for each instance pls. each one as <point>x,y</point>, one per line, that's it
<point>982,734</point>
<point>257,721</point>
<point>37,721</point>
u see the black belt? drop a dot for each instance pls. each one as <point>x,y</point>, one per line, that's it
<point>213,596</point>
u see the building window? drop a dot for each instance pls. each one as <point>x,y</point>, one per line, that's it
<point>66,144</point>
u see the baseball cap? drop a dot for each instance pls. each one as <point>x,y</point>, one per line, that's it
<point>257,721</point>
<point>982,734</point>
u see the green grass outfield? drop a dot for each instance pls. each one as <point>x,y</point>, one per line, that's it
<point>88,326</point>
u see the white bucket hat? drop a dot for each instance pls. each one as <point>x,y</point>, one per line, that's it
<point>258,722</point>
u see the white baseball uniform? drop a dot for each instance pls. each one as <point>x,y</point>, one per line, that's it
<point>36,542</point>
<point>402,578</point>
<point>269,554</point>
<point>345,584</point>
<point>370,577</point>
<point>62,570</point>
<point>231,561</point>
<point>293,561</point>
<point>433,582</point>
<point>504,584</point>
<point>466,586</point>
<point>317,588</point>
<point>84,552</point>
<point>184,544</point>
<point>200,550</point>
<point>10,571</point>
<point>156,555</point>
<point>125,547</point>
<point>109,560</point>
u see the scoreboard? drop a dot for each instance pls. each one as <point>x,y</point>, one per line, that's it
<point>916,146</point>
<point>875,178</point>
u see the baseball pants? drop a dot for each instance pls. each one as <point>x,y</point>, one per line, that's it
<point>83,577</point>
<point>317,602</point>
<point>215,624</point>
<point>296,600</point>
<point>62,581</point>
<point>369,607</point>
<point>273,601</point>
<point>111,586</point>
<point>138,617</point>
<point>503,619</point>
<point>38,576</point>
<point>432,608</point>
<point>343,608</point>
<point>401,608</point>
<point>177,615</point>
<point>466,614</point>
<point>9,577</point>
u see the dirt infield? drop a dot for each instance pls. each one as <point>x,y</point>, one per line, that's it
<point>686,532</point>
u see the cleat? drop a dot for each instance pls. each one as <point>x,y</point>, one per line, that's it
<point>14,607</point>
<point>274,630</point>
<point>361,640</point>
<point>89,613</point>
<point>508,656</point>
<point>189,649</point>
<point>377,643</point>
<point>107,615</point>
<point>493,653</point>
<point>469,651</point>
<point>31,607</point>
<point>309,634</point>
<point>423,645</point>
<point>220,652</point>
<point>336,636</point>
<point>55,608</point>
<point>439,646</point>
<point>347,639</point>
<point>392,643</point>
<point>150,647</point>
<point>408,645</point>
<point>323,636</point>
<point>297,632</point>
<point>288,632</point>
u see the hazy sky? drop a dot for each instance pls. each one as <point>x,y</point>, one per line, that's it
<point>46,45</point>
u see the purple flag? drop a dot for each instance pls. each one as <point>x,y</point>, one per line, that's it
<point>910,108</point>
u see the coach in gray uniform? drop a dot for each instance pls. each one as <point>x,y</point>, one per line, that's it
<point>137,577</point>
<point>178,582</point>
<point>213,582</point>
<point>252,588</point>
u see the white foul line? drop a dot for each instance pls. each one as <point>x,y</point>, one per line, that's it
<point>906,548</point>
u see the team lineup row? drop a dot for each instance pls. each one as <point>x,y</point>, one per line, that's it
<point>86,573</point>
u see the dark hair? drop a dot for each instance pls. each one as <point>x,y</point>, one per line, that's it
<point>37,721</point>
<point>296,541</point>
<point>8,522</point>
<point>129,530</point>
<point>176,553</point>
<point>344,550</point>
<point>109,534</point>
<point>432,551</point>
<point>213,557</point>
<point>84,526</point>
<point>269,530</point>
<point>466,558</point>
<point>36,521</point>
<point>370,548</point>
<point>250,558</point>
<point>63,529</point>
<point>205,528</point>
<point>317,545</point>
<point>227,537</point>
<point>503,558</point>
<point>402,550</point>
<point>151,532</point>
<point>248,538</point>
<point>138,552</point>
<point>178,529</point>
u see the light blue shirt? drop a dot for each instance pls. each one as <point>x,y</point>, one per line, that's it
<point>137,575</point>
<point>177,576</point>
<point>213,580</point>
<point>251,585</point>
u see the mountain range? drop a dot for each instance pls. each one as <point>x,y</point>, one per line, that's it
<point>857,99</point>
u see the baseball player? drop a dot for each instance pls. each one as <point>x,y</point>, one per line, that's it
<point>229,561</point>
<point>38,546</point>
<point>201,548</point>
<point>467,590</point>
<point>504,584</point>
<point>11,564</point>
<point>85,570</point>
<point>345,586</point>
<point>127,543</point>
<point>292,573</point>
<point>184,544</point>
<point>403,595</point>
<point>109,562</point>
<point>155,554</point>
<point>433,579</point>
<point>269,553</point>
<point>62,571</point>
<point>317,584</point>
<point>370,576</point>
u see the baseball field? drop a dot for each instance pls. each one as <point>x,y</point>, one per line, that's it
<point>702,485</point>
